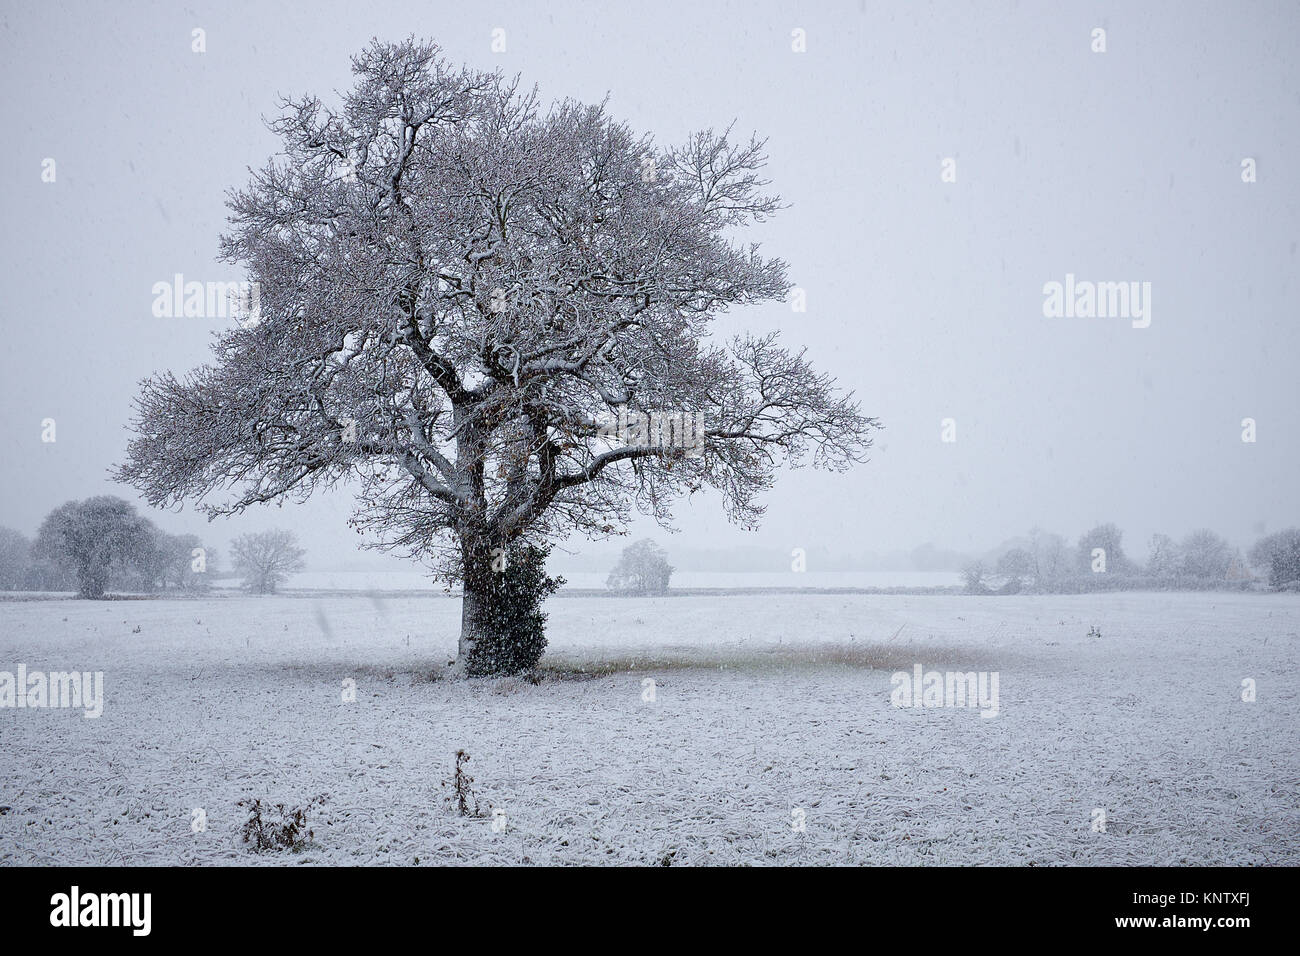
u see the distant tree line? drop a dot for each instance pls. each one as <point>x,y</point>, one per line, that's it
<point>1047,562</point>
<point>102,544</point>
<point>99,545</point>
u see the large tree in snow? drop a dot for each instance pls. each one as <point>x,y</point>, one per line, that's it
<point>458,292</point>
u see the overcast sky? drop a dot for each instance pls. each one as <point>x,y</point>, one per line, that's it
<point>925,297</point>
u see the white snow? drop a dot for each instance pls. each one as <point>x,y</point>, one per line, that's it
<point>764,705</point>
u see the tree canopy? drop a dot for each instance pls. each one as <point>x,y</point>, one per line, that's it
<point>457,289</point>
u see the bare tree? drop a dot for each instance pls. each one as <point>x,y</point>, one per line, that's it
<point>976,575</point>
<point>1015,565</point>
<point>459,292</point>
<point>266,558</point>
<point>187,563</point>
<point>1166,560</point>
<point>1051,556</point>
<point>1206,556</point>
<point>1105,538</point>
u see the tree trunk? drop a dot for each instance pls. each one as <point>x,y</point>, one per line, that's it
<point>476,564</point>
<point>91,580</point>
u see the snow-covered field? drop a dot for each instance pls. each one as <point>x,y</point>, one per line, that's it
<point>767,710</point>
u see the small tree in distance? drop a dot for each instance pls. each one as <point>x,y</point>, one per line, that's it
<point>1016,565</point>
<point>15,556</point>
<point>1105,537</point>
<point>1206,556</point>
<point>1050,554</point>
<point>1166,560</point>
<point>1279,555</point>
<point>976,576</point>
<point>187,563</point>
<point>266,558</point>
<point>95,539</point>
<point>643,569</point>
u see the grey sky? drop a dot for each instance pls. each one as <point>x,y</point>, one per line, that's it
<point>924,297</point>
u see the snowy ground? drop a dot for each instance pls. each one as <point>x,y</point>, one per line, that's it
<point>767,709</point>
